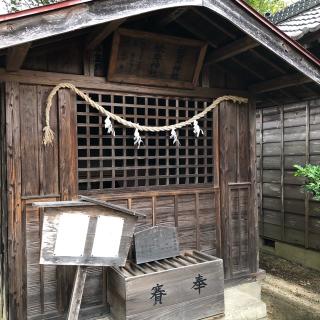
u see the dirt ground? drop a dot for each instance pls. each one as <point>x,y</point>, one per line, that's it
<point>291,292</point>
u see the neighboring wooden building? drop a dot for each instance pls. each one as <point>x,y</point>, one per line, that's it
<point>288,134</point>
<point>206,187</point>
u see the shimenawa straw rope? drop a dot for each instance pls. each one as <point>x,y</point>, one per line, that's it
<point>48,134</point>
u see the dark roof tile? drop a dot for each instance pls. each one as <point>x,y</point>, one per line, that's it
<point>299,18</point>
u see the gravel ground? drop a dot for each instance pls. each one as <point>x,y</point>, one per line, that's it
<point>291,292</point>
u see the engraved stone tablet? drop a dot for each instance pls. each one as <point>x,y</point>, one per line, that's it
<point>155,243</point>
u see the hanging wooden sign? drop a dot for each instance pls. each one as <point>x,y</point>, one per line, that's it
<point>152,59</point>
<point>87,234</point>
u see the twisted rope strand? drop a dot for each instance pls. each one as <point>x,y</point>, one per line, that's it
<point>48,136</point>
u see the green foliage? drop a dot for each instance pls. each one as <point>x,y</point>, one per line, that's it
<point>267,6</point>
<point>312,173</point>
<point>17,5</point>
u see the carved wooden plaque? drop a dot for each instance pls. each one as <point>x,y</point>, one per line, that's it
<point>153,59</point>
<point>79,233</point>
<point>155,243</point>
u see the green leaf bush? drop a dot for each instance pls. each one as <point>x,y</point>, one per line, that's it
<point>312,174</point>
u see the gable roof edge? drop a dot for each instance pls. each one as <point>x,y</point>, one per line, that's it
<point>90,13</point>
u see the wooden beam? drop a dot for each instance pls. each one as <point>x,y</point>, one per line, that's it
<point>169,18</point>
<point>232,49</point>
<point>246,67</point>
<point>214,24</point>
<point>97,36</point>
<point>16,56</point>
<point>190,28</point>
<point>312,92</point>
<point>100,83</point>
<point>267,61</point>
<point>280,83</point>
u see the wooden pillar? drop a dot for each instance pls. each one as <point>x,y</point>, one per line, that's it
<point>283,218</point>
<point>224,172</point>
<point>253,209</point>
<point>68,153</point>
<point>261,173</point>
<point>307,194</point>
<point>16,233</point>
<point>217,194</point>
<point>3,211</point>
<point>68,181</point>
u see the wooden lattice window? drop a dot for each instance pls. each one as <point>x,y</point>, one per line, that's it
<point>106,162</point>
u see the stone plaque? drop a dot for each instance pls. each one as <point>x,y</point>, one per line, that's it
<point>156,243</point>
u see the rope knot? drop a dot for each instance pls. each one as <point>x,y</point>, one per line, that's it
<point>48,136</point>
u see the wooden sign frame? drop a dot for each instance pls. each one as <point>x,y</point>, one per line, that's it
<point>115,76</point>
<point>91,212</point>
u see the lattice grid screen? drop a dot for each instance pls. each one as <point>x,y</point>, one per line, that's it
<point>106,162</point>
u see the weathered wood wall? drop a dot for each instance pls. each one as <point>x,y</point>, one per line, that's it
<point>35,172</point>
<point>201,214</point>
<point>288,135</point>
<point>217,216</point>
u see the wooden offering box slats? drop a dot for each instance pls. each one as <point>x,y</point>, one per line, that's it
<point>189,286</point>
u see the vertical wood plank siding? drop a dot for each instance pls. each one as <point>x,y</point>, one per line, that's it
<point>288,135</point>
<point>3,210</point>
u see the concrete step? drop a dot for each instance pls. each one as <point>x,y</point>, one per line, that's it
<point>243,302</point>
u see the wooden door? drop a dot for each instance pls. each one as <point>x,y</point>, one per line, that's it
<point>237,189</point>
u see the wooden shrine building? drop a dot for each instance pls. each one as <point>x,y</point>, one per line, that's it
<point>155,63</point>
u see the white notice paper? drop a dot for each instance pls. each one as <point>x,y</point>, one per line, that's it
<point>108,236</point>
<point>72,234</point>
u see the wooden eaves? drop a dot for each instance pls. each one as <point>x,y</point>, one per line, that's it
<point>90,13</point>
